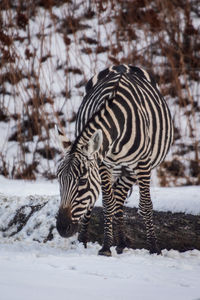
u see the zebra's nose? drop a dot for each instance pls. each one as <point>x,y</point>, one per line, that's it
<point>69,231</point>
<point>64,224</point>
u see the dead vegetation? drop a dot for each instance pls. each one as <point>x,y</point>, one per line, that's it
<point>161,36</point>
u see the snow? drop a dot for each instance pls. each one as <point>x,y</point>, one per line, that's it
<point>24,188</point>
<point>42,272</point>
<point>64,268</point>
<point>175,199</point>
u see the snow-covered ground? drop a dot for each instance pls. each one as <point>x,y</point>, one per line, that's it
<point>63,269</point>
<point>33,271</point>
<point>176,199</point>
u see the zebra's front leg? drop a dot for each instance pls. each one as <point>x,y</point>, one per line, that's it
<point>121,188</point>
<point>119,232</point>
<point>83,234</point>
<point>108,209</point>
<point>146,211</point>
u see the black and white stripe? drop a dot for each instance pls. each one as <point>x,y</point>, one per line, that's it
<point>130,120</point>
<point>135,112</point>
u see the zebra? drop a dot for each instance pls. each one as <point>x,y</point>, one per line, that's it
<point>123,130</point>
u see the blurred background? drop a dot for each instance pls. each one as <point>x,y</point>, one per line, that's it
<point>49,49</point>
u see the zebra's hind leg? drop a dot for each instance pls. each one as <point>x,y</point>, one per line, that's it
<point>121,188</point>
<point>108,209</point>
<point>146,210</point>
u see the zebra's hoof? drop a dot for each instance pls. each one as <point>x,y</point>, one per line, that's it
<point>82,239</point>
<point>155,250</point>
<point>119,250</point>
<point>84,244</point>
<point>153,246</point>
<point>125,243</point>
<point>104,252</point>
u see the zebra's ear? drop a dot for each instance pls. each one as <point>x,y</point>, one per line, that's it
<point>65,143</point>
<point>95,142</point>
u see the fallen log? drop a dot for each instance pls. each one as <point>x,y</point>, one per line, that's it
<point>34,218</point>
<point>176,231</point>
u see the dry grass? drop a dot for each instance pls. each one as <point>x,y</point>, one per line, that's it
<point>171,51</point>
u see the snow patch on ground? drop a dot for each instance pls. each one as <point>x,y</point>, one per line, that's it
<point>175,199</point>
<point>63,268</point>
<point>30,271</point>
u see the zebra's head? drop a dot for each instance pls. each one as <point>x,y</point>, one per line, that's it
<point>79,180</point>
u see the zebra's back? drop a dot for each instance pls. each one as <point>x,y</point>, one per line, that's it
<point>135,117</point>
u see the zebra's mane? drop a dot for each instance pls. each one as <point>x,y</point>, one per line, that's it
<point>103,106</point>
<point>120,69</point>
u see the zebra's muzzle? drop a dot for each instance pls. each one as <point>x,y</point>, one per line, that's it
<point>69,231</point>
<point>64,224</point>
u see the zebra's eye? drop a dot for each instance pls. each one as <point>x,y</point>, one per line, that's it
<point>82,181</point>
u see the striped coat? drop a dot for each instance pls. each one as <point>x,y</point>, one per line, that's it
<point>125,125</point>
<point>135,111</point>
